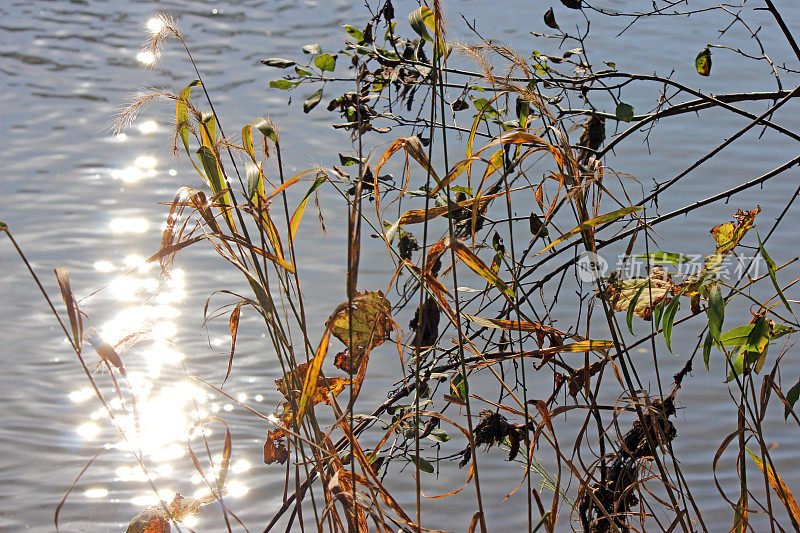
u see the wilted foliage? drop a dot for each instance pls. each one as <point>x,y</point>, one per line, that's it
<point>527,200</point>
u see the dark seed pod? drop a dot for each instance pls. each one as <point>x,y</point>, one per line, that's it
<point>407,245</point>
<point>594,133</point>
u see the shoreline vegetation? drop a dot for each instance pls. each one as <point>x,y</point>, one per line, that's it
<point>489,222</point>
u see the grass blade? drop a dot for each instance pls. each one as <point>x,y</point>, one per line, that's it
<point>669,318</point>
<point>294,223</point>
<point>780,488</point>
<point>480,268</point>
<point>310,385</point>
<point>771,266</point>
<point>592,222</point>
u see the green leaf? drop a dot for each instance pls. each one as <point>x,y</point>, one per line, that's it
<point>325,62</point>
<point>758,337</point>
<point>277,62</point>
<point>423,465</point>
<point>182,119</point>
<point>312,100</point>
<point>283,85</point>
<point>659,310</point>
<point>210,165</point>
<point>715,313</point>
<point>737,366</point>
<point>347,160</point>
<point>438,435</point>
<point>294,223</point>
<point>459,387</point>
<point>422,19</point>
<point>736,336</point>
<point>266,129</point>
<point>632,306</point>
<point>482,104</point>
<point>669,318</point>
<point>703,62</point>
<point>771,266</point>
<point>709,342</point>
<point>302,72</point>
<point>261,125</point>
<point>354,32</point>
<point>624,112</point>
<point>216,181</point>
<point>664,258</point>
<point>312,49</point>
<point>791,398</point>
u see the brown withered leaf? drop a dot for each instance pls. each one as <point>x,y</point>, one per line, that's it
<point>324,385</point>
<point>154,519</point>
<point>623,292</point>
<point>426,324</point>
<point>371,326</point>
<point>650,291</point>
<point>151,520</point>
<point>274,448</point>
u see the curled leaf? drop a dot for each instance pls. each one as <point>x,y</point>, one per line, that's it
<point>362,326</point>
<point>277,62</point>
<point>274,449</point>
<point>703,62</point>
<point>312,100</point>
<point>550,19</point>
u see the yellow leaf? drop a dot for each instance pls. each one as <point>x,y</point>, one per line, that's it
<point>592,222</point>
<point>310,386</point>
<point>780,488</point>
<point>479,267</point>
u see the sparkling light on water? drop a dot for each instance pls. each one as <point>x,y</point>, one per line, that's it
<point>148,126</point>
<point>129,225</point>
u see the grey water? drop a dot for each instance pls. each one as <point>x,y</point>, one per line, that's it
<point>77,194</point>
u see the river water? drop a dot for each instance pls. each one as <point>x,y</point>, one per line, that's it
<point>77,195</point>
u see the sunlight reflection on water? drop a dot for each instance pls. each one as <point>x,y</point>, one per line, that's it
<point>158,414</point>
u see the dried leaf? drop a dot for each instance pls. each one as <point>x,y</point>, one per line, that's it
<point>478,266</point>
<point>727,237</point>
<point>274,449</point>
<point>513,325</point>
<point>370,327</point>
<point>154,519</point>
<point>780,488</point>
<point>74,314</point>
<point>592,222</point>
<point>104,350</point>
<point>643,293</point>
<point>550,19</point>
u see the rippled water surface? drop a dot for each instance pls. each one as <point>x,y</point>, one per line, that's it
<point>79,196</point>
